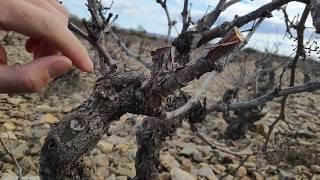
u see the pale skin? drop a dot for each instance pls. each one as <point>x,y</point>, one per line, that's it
<point>55,49</point>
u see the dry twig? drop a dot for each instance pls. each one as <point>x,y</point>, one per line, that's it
<point>6,149</point>
<point>128,52</point>
<point>171,23</point>
<point>300,52</point>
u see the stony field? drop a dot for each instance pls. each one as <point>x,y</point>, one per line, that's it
<point>295,154</point>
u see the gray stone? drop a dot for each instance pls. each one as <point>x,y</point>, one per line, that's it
<point>250,166</point>
<point>285,175</point>
<point>7,176</point>
<point>179,174</point>
<point>164,176</point>
<point>112,177</point>
<point>315,169</point>
<point>122,178</point>
<point>188,150</point>
<point>8,135</point>
<point>218,168</point>
<point>117,140</point>
<point>241,172</point>
<point>15,101</point>
<point>47,109</point>
<point>27,164</point>
<point>197,156</point>
<point>229,177</point>
<point>76,98</point>
<point>20,150</point>
<point>128,170</point>
<point>168,161</point>
<point>207,172</point>
<point>105,147</point>
<point>257,176</point>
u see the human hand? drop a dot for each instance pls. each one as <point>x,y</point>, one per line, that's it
<point>46,24</point>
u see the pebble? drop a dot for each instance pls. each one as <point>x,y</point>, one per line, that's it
<point>167,161</point>
<point>241,172</point>
<point>8,167</point>
<point>179,174</point>
<point>6,176</point>
<point>207,172</point>
<point>257,176</point>
<point>8,135</point>
<point>105,147</point>
<point>112,177</point>
<point>47,109</point>
<point>186,165</point>
<point>189,150</point>
<point>27,164</point>
<point>14,101</point>
<point>9,126</point>
<point>123,149</point>
<point>17,114</point>
<point>122,178</point>
<point>285,175</point>
<point>315,169</point>
<point>20,150</point>
<point>251,166</point>
<point>49,118</point>
<point>232,167</point>
<point>101,160</point>
<point>128,170</point>
<point>116,140</point>
<point>299,169</point>
<point>197,156</point>
<point>164,176</point>
<point>315,177</point>
<point>229,177</point>
<point>218,168</point>
<point>273,178</point>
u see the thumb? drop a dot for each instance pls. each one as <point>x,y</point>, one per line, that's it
<point>33,76</point>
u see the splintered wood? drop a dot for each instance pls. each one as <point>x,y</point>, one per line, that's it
<point>163,59</point>
<point>226,44</point>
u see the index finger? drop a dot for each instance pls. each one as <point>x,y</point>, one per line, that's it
<point>35,22</point>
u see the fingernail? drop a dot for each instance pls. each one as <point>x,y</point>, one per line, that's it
<point>58,69</point>
<point>90,65</point>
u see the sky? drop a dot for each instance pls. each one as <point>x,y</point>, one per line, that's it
<point>150,15</point>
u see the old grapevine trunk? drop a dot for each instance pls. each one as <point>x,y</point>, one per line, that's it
<point>126,92</point>
<point>80,130</point>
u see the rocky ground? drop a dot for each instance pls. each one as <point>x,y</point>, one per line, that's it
<point>295,146</point>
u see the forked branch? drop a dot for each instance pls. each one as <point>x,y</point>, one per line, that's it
<point>216,32</point>
<point>308,87</point>
<point>171,23</point>
<point>300,52</point>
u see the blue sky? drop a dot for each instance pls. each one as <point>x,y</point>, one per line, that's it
<point>149,14</point>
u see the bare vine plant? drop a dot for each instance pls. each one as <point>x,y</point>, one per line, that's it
<point>158,96</point>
